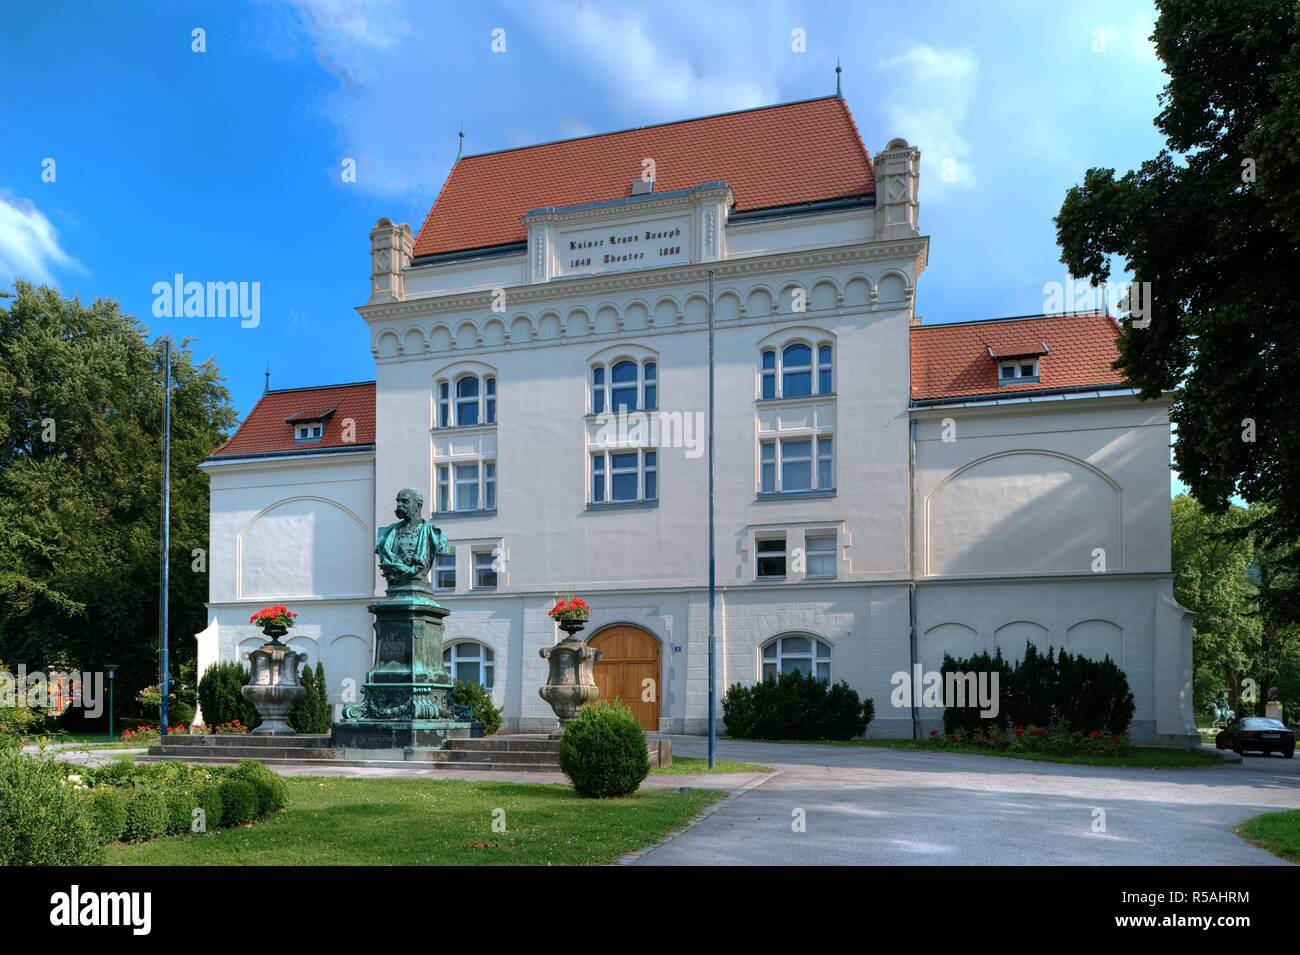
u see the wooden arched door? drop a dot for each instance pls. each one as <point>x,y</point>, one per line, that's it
<point>629,658</point>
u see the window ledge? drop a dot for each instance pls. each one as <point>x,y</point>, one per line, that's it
<point>464,428</point>
<point>794,495</point>
<point>622,505</point>
<point>795,400</point>
<point>452,515</point>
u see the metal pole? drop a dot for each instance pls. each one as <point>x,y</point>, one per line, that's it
<point>164,669</point>
<point>713,577</point>
<point>112,671</point>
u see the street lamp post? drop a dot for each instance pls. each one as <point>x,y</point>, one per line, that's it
<point>111,670</point>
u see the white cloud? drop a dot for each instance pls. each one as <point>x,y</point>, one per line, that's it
<point>670,64</point>
<point>930,93</point>
<point>29,244</point>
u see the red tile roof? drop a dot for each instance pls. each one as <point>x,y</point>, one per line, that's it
<point>267,430</point>
<point>774,156</point>
<point>952,361</point>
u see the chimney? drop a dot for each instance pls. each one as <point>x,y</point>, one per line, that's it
<point>390,253</point>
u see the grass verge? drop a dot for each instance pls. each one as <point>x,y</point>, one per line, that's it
<point>691,765</point>
<point>1278,832</point>
<point>342,821</point>
<point>1143,757</point>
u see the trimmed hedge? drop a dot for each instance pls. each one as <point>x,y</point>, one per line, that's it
<point>1047,690</point>
<point>146,815</point>
<point>479,701</point>
<point>603,751</point>
<point>795,706</point>
<point>108,809</point>
<point>269,786</point>
<point>208,798</point>
<point>45,819</point>
<point>238,802</point>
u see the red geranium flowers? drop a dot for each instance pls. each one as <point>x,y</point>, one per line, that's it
<point>575,608</point>
<point>279,615</point>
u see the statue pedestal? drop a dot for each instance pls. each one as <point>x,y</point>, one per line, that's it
<point>406,697</point>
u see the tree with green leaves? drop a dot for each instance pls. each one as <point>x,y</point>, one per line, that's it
<point>1212,223</point>
<point>80,486</point>
<point>1224,576</point>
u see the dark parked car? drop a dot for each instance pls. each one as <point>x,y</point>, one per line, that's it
<point>1258,733</point>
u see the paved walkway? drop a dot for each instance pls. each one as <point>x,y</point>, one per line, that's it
<point>867,806</point>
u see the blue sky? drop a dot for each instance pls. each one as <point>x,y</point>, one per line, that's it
<point>225,165</point>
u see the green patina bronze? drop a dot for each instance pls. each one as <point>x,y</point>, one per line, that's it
<point>406,701</point>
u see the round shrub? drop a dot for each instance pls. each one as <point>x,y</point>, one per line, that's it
<point>482,709</point>
<point>272,793</point>
<point>208,798</point>
<point>181,803</point>
<point>603,751</point>
<point>108,809</point>
<point>44,818</point>
<point>238,802</point>
<point>146,815</point>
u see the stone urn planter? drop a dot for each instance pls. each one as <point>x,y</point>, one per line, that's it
<point>273,688</point>
<point>571,683</point>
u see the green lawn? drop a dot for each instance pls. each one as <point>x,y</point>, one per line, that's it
<point>690,765</point>
<point>1278,832</point>
<point>340,821</point>
<point>1141,757</point>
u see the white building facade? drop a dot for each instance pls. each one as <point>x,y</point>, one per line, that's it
<point>542,377</point>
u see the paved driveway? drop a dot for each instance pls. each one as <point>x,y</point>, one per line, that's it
<point>866,806</point>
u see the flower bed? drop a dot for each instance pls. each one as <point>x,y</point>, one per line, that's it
<point>149,735</point>
<point>1058,740</point>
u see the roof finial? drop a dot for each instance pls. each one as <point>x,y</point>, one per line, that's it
<point>461,148</point>
<point>267,386</point>
<point>838,71</point>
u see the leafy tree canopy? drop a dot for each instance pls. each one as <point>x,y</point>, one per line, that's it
<point>80,486</point>
<point>1213,224</point>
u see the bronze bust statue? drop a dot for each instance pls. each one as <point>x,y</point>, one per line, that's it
<point>408,548</point>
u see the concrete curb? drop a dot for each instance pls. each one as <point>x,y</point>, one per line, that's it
<point>709,810</point>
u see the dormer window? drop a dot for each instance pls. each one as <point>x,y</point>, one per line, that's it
<point>1018,371</point>
<point>309,424</point>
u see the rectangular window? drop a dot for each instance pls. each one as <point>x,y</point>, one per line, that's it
<point>651,386</point>
<point>767,467</point>
<point>825,464</point>
<point>598,479</point>
<point>444,571</point>
<point>796,465</point>
<point>770,558</point>
<point>622,477</point>
<point>598,391</point>
<point>819,553</point>
<point>787,465</point>
<point>466,487</point>
<point>769,375</point>
<point>444,489</point>
<point>444,404</point>
<point>489,485</point>
<point>651,476</point>
<point>1018,371</point>
<point>485,575</point>
<point>490,401</point>
<point>824,370</point>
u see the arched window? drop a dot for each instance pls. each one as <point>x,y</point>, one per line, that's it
<point>471,662</point>
<point>474,401</point>
<point>791,372</point>
<point>625,385</point>
<point>797,652</point>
